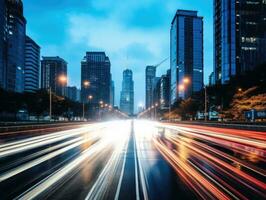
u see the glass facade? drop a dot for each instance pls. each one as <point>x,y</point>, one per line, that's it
<point>127,93</point>
<point>239,37</point>
<point>150,74</point>
<point>32,65</point>
<point>13,35</point>
<point>186,54</point>
<point>53,68</point>
<point>95,78</point>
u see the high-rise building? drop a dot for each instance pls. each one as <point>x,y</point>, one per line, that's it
<point>150,74</point>
<point>3,43</point>
<point>186,54</point>
<point>95,78</point>
<point>165,90</point>
<point>211,79</point>
<point>239,37</point>
<point>127,93</point>
<point>72,93</point>
<point>54,74</point>
<point>32,65</point>
<point>12,45</point>
<point>156,90</point>
<point>112,93</point>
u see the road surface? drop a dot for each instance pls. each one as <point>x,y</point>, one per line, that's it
<point>134,160</point>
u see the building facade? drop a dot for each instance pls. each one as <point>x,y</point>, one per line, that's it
<point>156,91</point>
<point>95,78</point>
<point>165,90</point>
<point>127,93</point>
<point>186,54</point>
<point>112,93</point>
<point>150,74</point>
<point>32,65</point>
<point>54,74</point>
<point>239,37</point>
<point>3,43</point>
<point>12,47</point>
<point>72,93</point>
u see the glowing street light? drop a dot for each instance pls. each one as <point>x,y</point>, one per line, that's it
<point>86,83</point>
<point>181,87</point>
<point>186,80</point>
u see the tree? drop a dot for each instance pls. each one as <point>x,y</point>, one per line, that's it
<point>246,100</point>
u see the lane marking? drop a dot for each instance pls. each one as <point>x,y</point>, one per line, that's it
<point>121,175</point>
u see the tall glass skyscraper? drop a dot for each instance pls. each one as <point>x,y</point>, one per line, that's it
<point>127,93</point>
<point>150,74</point>
<point>239,37</point>
<point>12,42</point>
<point>95,78</point>
<point>53,69</point>
<point>32,65</point>
<point>186,54</point>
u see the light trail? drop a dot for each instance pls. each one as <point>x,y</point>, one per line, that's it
<point>206,160</point>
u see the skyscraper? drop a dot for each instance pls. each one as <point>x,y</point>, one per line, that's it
<point>150,74</point>
<point>54,74</point>
<point>127,93</point>
<point>239,37</point>
<point>95,78</point>
<point>32,65</point>
<point>3,43</point>
<point>165,90</point>
<point>12,45</point>
<point>186,54</point>
<point>72,93</point>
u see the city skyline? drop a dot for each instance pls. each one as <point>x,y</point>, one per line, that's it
<point>127,40</point>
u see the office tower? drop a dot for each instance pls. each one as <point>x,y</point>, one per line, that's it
<point>32,65</point>
<point>186,54</point>
<point>3,43</point>
<point>165,90</point>
<point>54,74</point>
<point>12,45</point>
<point>156,89</point>
<point>211,79</point>
<point>95,78</point>
<point>239,37</point>
<point>112,93</point>
<point>72,93</point>
<point>127,93</point>
<point>150,74</point>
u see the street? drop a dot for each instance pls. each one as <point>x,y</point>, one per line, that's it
<point>134,159</point>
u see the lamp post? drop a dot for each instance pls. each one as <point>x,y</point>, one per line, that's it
<point>205,103</point>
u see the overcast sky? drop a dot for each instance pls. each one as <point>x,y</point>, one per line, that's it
<point>133,33</point>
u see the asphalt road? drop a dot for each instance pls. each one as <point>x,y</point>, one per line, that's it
<point>134,160</point>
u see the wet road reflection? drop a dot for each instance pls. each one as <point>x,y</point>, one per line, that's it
<point>135,160</point>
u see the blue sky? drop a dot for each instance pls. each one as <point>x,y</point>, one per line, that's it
<point>133,33</point>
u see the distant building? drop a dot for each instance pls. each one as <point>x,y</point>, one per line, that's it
<point>54,74</point>
<point>127,93</point>
<point>165,90</point>
<point>72,93</point>
<point>78,95</point>
<point>239,37</point>
<point>32,65</point>
<point>112,93</point>
<point>95,78</point>
<point>211,79</point>
<point>150,74</point>
<point>156,90</point>
<point>186,54</point>
<point>12,45</point>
